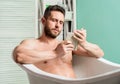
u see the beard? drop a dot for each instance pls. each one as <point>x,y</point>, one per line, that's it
<point>49,33</point>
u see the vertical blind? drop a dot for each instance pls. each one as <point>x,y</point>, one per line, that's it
<point>17,22</point>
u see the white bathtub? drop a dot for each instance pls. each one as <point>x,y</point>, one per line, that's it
<point>88,70</point>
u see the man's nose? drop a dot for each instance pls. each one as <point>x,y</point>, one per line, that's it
<point>57,24</point>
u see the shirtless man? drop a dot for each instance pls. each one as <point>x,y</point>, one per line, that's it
<point>50,55</point>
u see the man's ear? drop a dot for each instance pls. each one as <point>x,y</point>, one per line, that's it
<point>43,20</point>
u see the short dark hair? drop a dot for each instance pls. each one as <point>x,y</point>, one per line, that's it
<point>53,8</point>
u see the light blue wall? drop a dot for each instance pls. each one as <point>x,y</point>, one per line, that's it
<point>101,18</point>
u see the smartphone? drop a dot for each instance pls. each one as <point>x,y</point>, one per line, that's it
<point>72,39</point>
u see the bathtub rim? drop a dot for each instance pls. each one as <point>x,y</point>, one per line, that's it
<point>31,69</point>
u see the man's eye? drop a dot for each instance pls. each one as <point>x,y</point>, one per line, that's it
<point>61,22</point>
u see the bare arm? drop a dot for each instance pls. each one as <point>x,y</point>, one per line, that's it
<point>25,53</point>
<point>89,49</point>
<point>86,48</point>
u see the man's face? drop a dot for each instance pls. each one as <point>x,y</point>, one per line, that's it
<point>54,24</point>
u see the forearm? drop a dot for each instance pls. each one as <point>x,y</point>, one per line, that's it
<point>33,56</point>
<point>92,49</point>
<point>85,48</point>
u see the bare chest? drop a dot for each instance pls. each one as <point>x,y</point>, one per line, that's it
<point>46,47</point>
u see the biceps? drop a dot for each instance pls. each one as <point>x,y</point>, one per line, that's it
<point>26,56</point>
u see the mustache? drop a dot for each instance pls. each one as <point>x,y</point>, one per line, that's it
<point>56,29</point>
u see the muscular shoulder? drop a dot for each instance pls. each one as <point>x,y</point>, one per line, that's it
<point>28,43</point>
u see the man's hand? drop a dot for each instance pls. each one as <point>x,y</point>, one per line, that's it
<point>80,35</point>
<point>86,48</point>
<point>64,48</point>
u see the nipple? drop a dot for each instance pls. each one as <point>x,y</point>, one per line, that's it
<point>45,62</point>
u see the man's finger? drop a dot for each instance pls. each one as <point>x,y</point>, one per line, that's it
<point>66,42</point>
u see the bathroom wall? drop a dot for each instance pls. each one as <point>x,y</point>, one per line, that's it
<point>101,18</point>
<point>17,22</point>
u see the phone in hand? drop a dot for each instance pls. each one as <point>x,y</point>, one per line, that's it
<point>72,39</point>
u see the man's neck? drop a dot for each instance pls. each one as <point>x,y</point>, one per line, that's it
<point>48,40</point>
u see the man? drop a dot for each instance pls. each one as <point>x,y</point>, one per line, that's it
<point>50,55</point>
